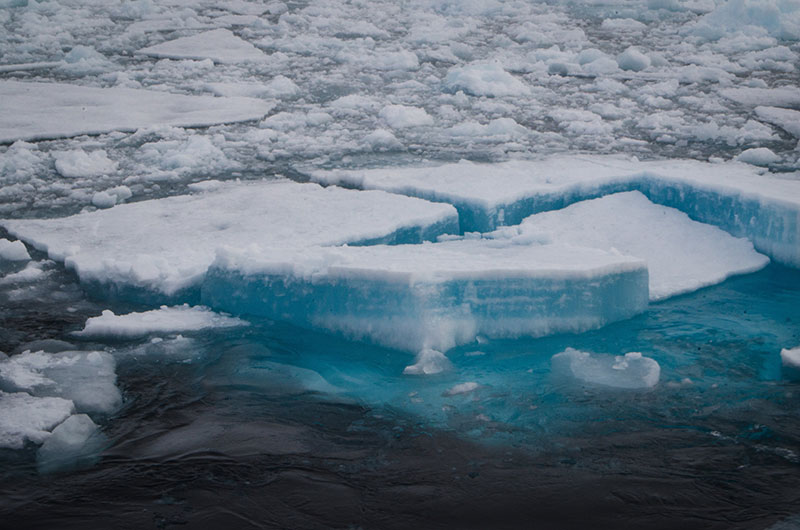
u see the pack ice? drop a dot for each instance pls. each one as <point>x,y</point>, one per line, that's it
<point>37,111</point>
<point>736,197</point>
<point>163,247</point>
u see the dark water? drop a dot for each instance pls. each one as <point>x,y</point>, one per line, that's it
<point>275,427</point>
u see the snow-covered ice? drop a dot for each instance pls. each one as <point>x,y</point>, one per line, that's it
<point>736,197</point>
<point>27,418</point>
<point>79,163</point>
<point>36,111</point>
<point>682,255</point>
<point>163,320</point>
<point>164,246</point>
<point>13,250</point>
<point>219,45</point>
<point>786,119</point>
<point>432,296</point>
<point>629,371</point>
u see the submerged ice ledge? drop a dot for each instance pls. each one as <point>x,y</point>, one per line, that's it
<point>431,296</point>
<point>733,196</point>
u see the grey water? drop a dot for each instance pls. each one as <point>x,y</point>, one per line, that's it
<point>272,426</point>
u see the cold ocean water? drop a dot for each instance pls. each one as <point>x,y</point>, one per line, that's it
<point>261,424</point>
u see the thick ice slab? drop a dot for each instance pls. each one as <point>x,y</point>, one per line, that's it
<point>162,320</point>
<point>682,255</point>
<point>165,246</point>
<point>219,45</point>
<point>431,296</point>
<point>737,197</point>
<point>38,111</point>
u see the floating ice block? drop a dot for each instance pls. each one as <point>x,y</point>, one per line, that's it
<point>219,45</point>
<point>38,111</point>
<point>736,197</point>
<point>682,255</point>
<point>161,248</point>
<point>431,296</point>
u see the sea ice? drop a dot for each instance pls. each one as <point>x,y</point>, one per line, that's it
<point>25,417</point>
<point>736,197</point>
<point>432,296</point>
<point>484,79</point>
<point>758,156</point>
<point>219,45</point>
<point>631,371</point>
<point>13,250</point>
<point>682,255</point>
<point>86,378</point>
<point>75,443</point>
<point>164,246</point>
<point>791,357</point>
<point>79,163</point>
<point>773,97</point>
<point>401,116</point>
<point>163,320</point>
<point>36,111</point>
<point>786,119</point>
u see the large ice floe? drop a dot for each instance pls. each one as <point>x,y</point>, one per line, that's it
<point>163,247</point>
<point>36,111</point>
<point>432,296</point>
<point>733,196</point>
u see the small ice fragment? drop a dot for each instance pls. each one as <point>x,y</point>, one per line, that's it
<point>759,156</point>
<point>13,250</point>
<point>162,320</point>
<point>633,59</point>
<point>429,362</point>
<point>74,444</point>
<point>791,357</point>
<point>402,116</point>
<point>629,371</point>
<point>25,417</point>
<point>461,388</point>
<point>79,163</point>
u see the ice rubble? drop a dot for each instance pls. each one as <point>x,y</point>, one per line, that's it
<point>786,119</point>
<point>631,371</point>
<point>682,255</point>
<point>219,45</point>
<point>13,251</point>
<point>35,111</point>
<point>162,320</point>
<point>733,196</point>
<point>164,246</point>
<point>431,296</point>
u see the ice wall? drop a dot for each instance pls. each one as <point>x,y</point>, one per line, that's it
<point>431,296</point>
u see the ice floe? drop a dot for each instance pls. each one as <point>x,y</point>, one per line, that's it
<point>431,296</point>
<point>164,246</point>
<point>629,371</point>
<point>35,111</point>
<point>163,320</point>
<point>219,45</point>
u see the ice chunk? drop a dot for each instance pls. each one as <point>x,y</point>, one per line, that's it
<point>431,296</point>
<point>86,378</point>
<point>786,119</point>
<point>36,111</point>
<point>791,357</point>
<point>778,18</point>
<point>13,250</point>
<point>429,362</point>
<point>25,417</point>
<point>736,197</point>
<point>79,163</point>
<point>33,271</point>
<point>484,79</point>
<point>462,388</point>
<point>758,156</point>
<point>631,370</point>
<point>633,59</point>
<point>219,45</point>
<point>682,255</point>
<point>111,197</point>
<point>74,444</point>
<point>775,97</point>
<point>163,320</point>
<point>401,116</point>
<point>165,246</point>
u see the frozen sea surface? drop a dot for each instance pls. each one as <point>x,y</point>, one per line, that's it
<point>115,411</point>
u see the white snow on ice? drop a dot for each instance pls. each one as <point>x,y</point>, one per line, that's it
<point>163,320</point>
